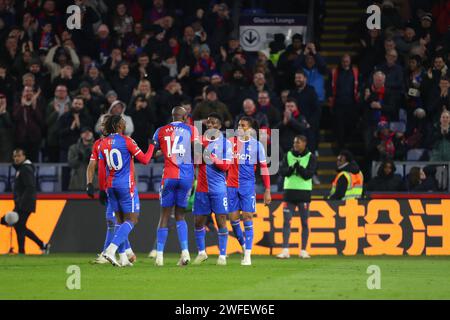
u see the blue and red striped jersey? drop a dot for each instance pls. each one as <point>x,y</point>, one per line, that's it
<point>118,152</point>
<point>210,177</point>
<point>175,141</point>
<point>246,155</point>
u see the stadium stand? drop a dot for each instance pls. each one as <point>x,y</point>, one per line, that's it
<point>182,47</point>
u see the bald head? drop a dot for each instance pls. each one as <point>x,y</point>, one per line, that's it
<point>179,114</point>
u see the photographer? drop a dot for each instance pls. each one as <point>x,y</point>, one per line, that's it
<point>24,200</point>
<point>78,158</point>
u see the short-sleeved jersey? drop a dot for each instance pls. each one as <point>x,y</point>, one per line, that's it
<point>118,152</point>
<point>246,155</point>
<point>95,150</point>
<point>210,178</point>
<point>175,141</point>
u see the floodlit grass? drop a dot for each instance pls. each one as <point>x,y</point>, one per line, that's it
<point>44,277</point>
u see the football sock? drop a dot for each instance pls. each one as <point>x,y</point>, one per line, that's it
<point>248,226</point>
<point>121,249</point>
<point>110,231</point>
<point>112,248</point>
<point>236,224</point>
<point>286,227</point>
<point>182,230</point>
<point>223,239</point>
<point>200,238</point>
<point>122,233</point>
<point>128,249</point>
<point>123,258</point>
<point>161,237</point>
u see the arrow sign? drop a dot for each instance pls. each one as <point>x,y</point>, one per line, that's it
<point>250,37</point>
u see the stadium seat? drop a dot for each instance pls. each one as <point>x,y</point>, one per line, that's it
<point>414,154</point>
<point>403,115</point>
<point>143,177</point>
<point>442,177</point>
<point>12,177</point>
<point>47,178</point>
<point>156,184</point>
<point>157,172</point>
<point>398,126</point>
<point>4,177</point>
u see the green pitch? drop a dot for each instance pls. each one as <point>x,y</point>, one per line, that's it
<point>319,278</point>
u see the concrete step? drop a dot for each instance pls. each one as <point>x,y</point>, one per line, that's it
<point>326,172</point>
<point>326,158</point>
<point>329,27</point>
<point>322,186</point>
<point>341,44</point>
<point>341,5</point>
<point>333,36</point>
<point>340,53</point>
<point>336,12</point>
<point>348,20</point>
<point>328,165</point>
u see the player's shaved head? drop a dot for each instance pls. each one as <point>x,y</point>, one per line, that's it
<point>179,114</point>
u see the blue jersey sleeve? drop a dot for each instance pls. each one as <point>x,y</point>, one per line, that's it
<point>156,138</point>
<point>261,153</point>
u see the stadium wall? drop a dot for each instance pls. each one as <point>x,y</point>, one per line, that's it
<point>379,226</point>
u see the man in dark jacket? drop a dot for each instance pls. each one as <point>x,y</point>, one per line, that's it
<point>308,104</point>
<point>292,124</point>
<point>70,124</point>
<point>28,122</point>
<point>249,110</point>
<point>297,168</point>
<point>123,83</point>
<point>386,179</point>
<point>24,200</point>
<point>209,105</point>
<point>167,99</point>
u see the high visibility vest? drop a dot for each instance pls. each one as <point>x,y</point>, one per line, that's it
<point>295,182</point>
<point>274,57</point>
<point>354,185</point>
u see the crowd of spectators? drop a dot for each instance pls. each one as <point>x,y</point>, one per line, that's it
<point>142,58</point>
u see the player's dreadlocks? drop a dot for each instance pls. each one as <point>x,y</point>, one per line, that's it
<point>112,124</point>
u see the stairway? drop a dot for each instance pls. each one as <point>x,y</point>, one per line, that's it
<point>326,165</point>
<point>337,38</point>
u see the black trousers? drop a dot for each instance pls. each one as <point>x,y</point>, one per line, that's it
<point>22,231</point>
<point>288,212</point>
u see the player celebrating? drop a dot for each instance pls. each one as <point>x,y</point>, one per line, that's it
<point>117,152</point>
<point>247,152</point>
<point>175,141</point>
<point>211,193</point>
<point>111,222</point>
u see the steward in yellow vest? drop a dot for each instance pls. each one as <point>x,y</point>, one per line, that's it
<point>348,183</point>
